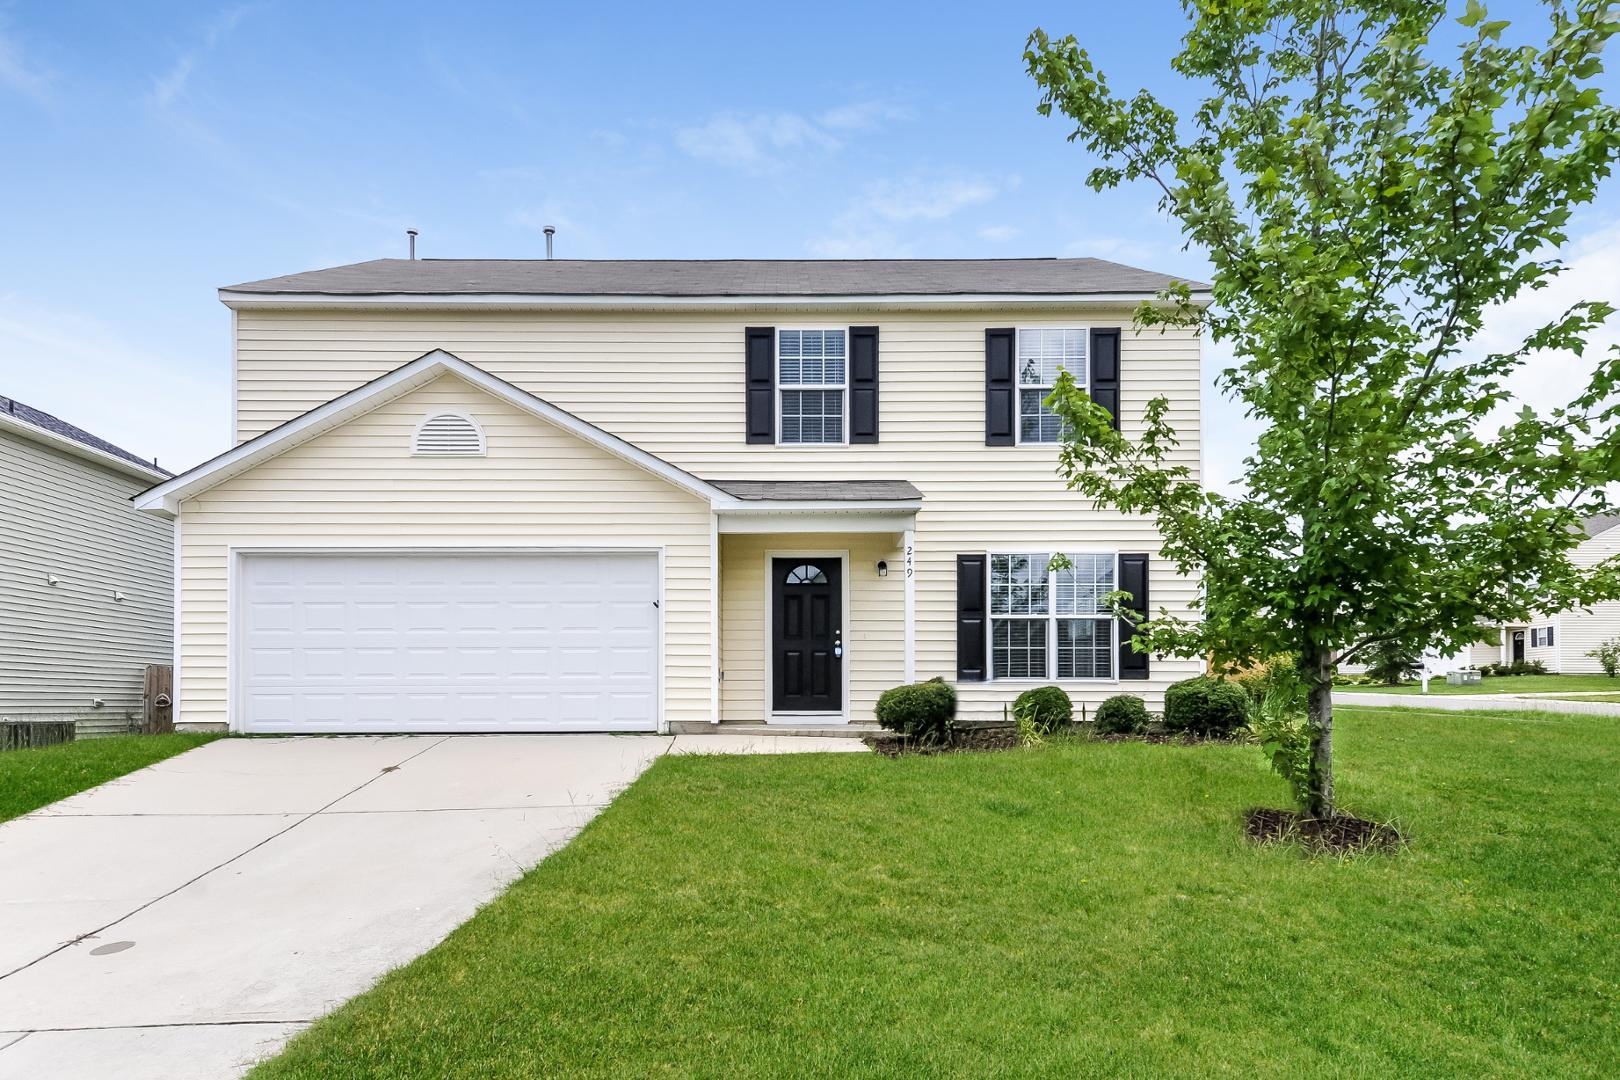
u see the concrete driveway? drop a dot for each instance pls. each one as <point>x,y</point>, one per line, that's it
<point>186,920</point>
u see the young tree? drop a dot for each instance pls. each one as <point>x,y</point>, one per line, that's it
<point>1365,197</point>
<point>1392,662</point>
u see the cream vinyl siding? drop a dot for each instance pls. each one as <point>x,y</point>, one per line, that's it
<point>64,645</point>
<point>1583,629</point>
<point>874,625</point>
<point>672,383</point>
<point>360,486</point>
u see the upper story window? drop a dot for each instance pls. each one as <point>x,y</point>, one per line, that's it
<point>1042,353</point>
<point>1052,623</point>
<point>811,378</point>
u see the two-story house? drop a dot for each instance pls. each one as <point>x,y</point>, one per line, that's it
<point>569,495</point>
<point>1563,641</point>
<point>88,583</point>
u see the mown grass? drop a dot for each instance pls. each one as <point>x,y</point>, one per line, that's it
<point>30,779</point>
<point>1500,684</point>
<point>1077,910</point>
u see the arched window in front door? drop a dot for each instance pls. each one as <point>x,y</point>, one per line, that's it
<point>806,574</point>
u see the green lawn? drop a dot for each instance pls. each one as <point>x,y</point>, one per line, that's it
<point>1612,696</point>
<point>30,779</point>
<point>1083,909</point>
<point>1500,684</point>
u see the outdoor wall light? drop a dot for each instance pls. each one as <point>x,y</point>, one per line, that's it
<point>883,568</point>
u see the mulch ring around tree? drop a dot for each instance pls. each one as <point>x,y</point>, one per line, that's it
<point>967,739</point>
<point>1340,834</point>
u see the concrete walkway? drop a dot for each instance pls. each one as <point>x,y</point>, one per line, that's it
<point>188,919</point>
<point>1480,702</point>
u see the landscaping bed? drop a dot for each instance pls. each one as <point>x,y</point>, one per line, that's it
<point>975,738</point>
<point>1084,908</point>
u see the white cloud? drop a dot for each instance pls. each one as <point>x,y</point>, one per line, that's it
<point>926,198</point>
<point>763,141</point>
<point>22,77</point>
<point>81,370</point>
<point>999,234</point>
<point>866,227</point>
<point>752,141</point>
<point>168,87</point>
<point>863,116</point>
<point>861,244</point>
<point>1548,380</point>
<point>1551,379</point>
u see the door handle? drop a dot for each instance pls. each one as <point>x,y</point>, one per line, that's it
<point>838,644</point>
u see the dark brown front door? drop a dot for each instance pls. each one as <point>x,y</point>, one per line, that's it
<point>807,639</point>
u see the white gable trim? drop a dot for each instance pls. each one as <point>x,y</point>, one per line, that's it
<point>165,498</point>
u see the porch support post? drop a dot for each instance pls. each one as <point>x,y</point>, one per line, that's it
<point>714,618</point>
<point>908,560</point>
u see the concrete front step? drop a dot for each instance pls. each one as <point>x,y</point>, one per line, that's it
<point>824,731</point>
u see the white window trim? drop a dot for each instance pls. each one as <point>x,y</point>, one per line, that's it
<point>1019,386</point>
<point>776,377</point>
<point>1051,617</point>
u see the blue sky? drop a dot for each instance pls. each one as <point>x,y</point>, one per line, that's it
<point>155,152</point>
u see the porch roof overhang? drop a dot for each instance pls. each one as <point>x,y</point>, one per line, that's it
<point>772,506</point>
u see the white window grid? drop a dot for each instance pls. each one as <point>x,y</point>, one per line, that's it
<point>1043,352</point>
<point>1048,623</point>
<point>812,377</point>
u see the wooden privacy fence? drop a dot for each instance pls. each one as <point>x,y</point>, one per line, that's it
<point>157,713</point>
<point>23,734</point>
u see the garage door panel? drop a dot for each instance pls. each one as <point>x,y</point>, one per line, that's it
<point>448,642</point>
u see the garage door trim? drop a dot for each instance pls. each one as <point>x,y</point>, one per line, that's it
<point>236,611</point>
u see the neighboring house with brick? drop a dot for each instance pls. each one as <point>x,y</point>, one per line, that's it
<point>87,581</point>
<point>1561,641</point>
<point>571,495</point>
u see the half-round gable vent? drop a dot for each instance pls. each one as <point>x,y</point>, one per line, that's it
<point>449,434</point>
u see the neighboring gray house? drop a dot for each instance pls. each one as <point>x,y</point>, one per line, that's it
<point>88,583</point>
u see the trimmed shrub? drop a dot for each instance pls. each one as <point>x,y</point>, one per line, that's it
<point>1122,714</point>
<point>922,710</point>
<point>1205,706</point>
<point>1257,680</point>
<point>1046,707</point>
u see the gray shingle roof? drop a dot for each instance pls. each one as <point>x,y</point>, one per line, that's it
<point>46,422</point>
<point>1601,523</point>
<point>718,277</point>
<point>819,490</point>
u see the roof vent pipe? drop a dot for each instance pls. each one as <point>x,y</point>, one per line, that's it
<point>411,235</point>
<point>550,231</point>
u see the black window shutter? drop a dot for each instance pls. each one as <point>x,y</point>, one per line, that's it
<point>760,354</point>
<point>970,622</point>
<point>863,384</point>
<point>1133,578</point>
<point>1105,370</point>
<point>1000,387</point>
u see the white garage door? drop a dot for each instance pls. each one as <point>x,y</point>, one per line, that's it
<point>448,642</point>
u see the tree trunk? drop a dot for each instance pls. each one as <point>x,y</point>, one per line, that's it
<point>1320,802</point>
